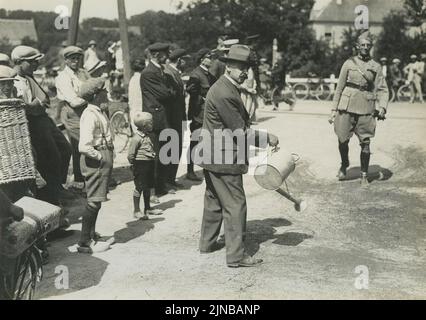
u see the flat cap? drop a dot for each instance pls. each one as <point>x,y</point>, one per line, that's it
<point>7,73</point>
<point>4,59</point>
<point>91,87</point>
<point>158,46</point>
<point>230,42</point>
<point>384,59</point>
<point>177,53</point>
<point>396,60</point>
<point>26,53</point>
<point>413,56</point>
<point>92,42</point>
<point>72,50</point>
<point>202,53</point>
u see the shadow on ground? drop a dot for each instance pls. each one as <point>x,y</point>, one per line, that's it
<point>376,173</point>
<point>260,231</point>
<point>135,229</point>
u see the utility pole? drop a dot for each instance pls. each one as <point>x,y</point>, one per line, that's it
<point>124,37</point>
<point>75,17</point>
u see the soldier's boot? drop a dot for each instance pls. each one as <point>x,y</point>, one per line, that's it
<point>365,162</point>
<point>364,180</point>
<point>344,155</point>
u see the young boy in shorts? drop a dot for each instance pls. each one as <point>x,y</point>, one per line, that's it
<point>141,156</point>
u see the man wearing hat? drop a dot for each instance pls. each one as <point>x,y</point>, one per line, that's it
<point>68,83</point>
<point>217,68</point>
<point>176,110</point>
<point>395,74</point>
<point>52,150</point>
<point>90,56</point>
<point>224,198</point>
<point>360,90</point>
<point>199,83</point>
<point>156,96</point>
<point>414,78</point>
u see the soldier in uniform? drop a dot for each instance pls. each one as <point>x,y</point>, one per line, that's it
<point>361,89</point>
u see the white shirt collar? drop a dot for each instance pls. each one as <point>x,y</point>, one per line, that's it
<point>155,64</point>
<point>204,68</point>
<point>174,67</point>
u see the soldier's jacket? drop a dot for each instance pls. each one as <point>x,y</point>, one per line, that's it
<point>361,87</point>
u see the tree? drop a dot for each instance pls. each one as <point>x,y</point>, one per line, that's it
<point>416,11</point>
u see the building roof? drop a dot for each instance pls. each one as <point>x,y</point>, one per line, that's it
<point>345,11</point>
<point>15,30</point>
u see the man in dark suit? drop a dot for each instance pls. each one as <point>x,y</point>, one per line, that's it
<point>226,119</point>
<point>176,111</point>
<point>199,83</point>
<point>156,95</point>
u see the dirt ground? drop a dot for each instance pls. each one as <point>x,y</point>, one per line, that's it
<point>310,255</point>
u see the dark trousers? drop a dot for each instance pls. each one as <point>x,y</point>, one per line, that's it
<point>78,177</point>
<point>52,153</point>
<point>172,168</point>
<point>194,126</point>
<point>225,200</point>
<point>160,171</point>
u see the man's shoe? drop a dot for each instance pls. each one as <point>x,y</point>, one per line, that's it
<point>64,223</point>
<point>99,238</point>
<point>177,185</point>
<point>93,247</point>
<point>193,177</point>
<point>154,212</point>
<point>170,189</point>
<point>246,262</point>
<point>161,192</point>
<point>364,180</point>
<point>341,174</point>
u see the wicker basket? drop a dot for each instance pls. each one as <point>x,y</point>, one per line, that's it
<point>16,158</point>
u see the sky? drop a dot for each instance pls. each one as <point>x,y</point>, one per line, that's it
<point>102,8</point>
<point>94,8</point>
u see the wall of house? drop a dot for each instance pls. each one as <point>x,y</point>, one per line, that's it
<point>333,32</point>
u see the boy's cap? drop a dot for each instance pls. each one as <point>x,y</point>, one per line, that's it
<point>26,53</point>
<point>72,50</point>
<point>91,87</point>
<point>4,59</point>
<point>7,73</point>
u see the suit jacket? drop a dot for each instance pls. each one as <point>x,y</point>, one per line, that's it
<point>198,85</point>
<point>176,112</point>
<point>156,95</point>
<point>226,136</point>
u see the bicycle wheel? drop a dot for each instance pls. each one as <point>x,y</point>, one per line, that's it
<point>21,284</point>
<point>120,128</point>
<point>301,91</point>
<point>404,93</point>
<point>322,92</point>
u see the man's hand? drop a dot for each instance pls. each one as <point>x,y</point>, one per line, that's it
<point>273,140</point>
<point>382,114</point>
<point>332,116</point>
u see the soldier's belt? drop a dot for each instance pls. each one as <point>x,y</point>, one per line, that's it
<point>104,147</point>
<point>357,86</point>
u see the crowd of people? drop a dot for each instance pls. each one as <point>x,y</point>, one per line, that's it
<point>157,102</point>
<point>413,74</point>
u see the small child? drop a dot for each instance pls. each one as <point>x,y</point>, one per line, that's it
<point>141,155</point>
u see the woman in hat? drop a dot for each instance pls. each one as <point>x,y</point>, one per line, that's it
<point>96,161</point>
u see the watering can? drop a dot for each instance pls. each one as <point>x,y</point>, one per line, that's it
<point>272,174</point>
